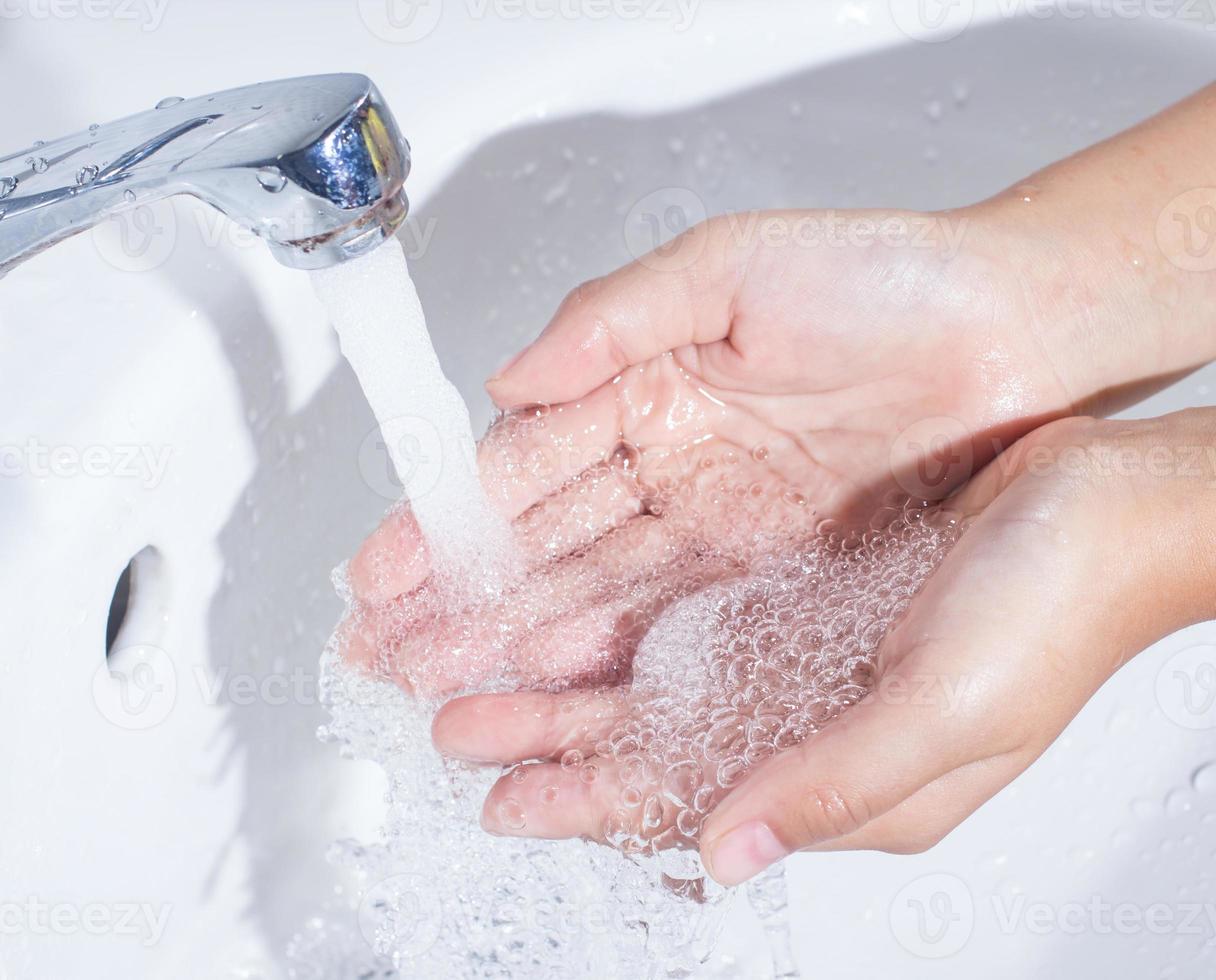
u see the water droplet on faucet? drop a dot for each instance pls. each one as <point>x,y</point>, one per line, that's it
<point>172,100</point>
<point>272,179</point>
<point>7,186</point>
<point>129,196</point>
<point>86,175</point>
<point>37,164</point>
<point>94,129</point>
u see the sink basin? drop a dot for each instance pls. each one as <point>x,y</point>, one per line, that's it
<point>177,406</point>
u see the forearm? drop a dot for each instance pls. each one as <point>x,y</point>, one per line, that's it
<point>1116,248</point>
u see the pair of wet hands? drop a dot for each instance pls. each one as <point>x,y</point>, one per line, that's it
<point>752,393</point>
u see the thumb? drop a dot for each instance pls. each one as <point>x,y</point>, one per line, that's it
<point>864,764</point>
<point>682,293</point>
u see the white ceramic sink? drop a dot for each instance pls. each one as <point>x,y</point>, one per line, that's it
<point>537,144</point>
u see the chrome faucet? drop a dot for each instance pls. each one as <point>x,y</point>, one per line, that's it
<point>315,166</point>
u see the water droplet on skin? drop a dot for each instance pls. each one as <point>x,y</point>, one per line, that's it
<point>589,772</point>
<point>272,179</point>
<point>169,102</point>
<point>519,774</point>
<point>1026,193</point>
<point>625,457</point>
<point>7,186</point>
<point>511,814</point>
<point>548,795</point>
<point>86,175</point>
<point>571,760</point>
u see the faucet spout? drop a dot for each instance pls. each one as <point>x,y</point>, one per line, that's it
<point>315,166</point>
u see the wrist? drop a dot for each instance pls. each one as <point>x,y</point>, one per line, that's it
<point>1095,306</point>
<point>1165,495</point>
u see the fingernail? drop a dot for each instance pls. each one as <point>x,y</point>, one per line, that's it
<point>744,852</point>
<point>506,366</point>
<point>504,819</point>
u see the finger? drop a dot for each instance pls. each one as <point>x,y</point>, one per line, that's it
<point>583,511</point>
<point>392,560</point>
<point>359,646</point>
<point>530,454</point>
<point>1035,454</point>
<point>647,308</point>
<point>928,816</point>
<point>521,461</point>
<point>554,801</point>
<point>863,765</point>
<point>509,728</point>
<point>581,618</point>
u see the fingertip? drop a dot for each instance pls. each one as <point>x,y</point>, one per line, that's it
<point>391,561</point>
<point>742,853</point>
<point>502,392</point>
<point>451,727</point>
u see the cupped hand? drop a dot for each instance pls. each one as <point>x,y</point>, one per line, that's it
<point>1084,546</point>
